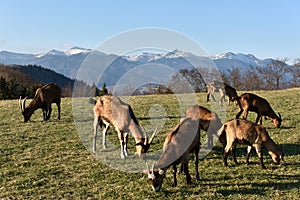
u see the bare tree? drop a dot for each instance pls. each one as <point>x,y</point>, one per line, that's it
<point>251,80</point>
<point>273,73</point>
<point>295,72</point>
<point>234,75</point>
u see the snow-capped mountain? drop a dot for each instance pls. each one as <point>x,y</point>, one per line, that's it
<point>68,62</point>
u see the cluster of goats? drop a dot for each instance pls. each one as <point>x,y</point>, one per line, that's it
<point>110,110</point>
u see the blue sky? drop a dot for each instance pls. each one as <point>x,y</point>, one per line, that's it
<point>264,28</point>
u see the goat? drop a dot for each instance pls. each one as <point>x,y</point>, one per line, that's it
<point>111,110</point>
<point>43,98</point>
<point>231,93</point>
<point>208,121</point>
<point>246,132</point>
<point>182,140</point>
<point>251,102</point>
<point>224,89</point>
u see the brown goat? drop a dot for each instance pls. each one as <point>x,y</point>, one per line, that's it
<point>182,140</point>
<point>111,110</point>
<point>251,102</point>
<point>208,121</point>
<point>44,97</point>
<point>246,132</point>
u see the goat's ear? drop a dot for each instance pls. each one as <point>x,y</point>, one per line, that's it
<point>161,172</point>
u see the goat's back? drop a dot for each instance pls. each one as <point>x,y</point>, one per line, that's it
<point>180,141</point>
<point>49,93</point>
<point>115,111</point>
<point>254,101</point>
<point>244,131</point>
<point>207,119</point>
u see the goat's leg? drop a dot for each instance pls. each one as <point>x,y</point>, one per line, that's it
<point>239,113</point>
<point>58,110</point>
<point>258,118</point>
<point>174,184</point>
<point>246,111</point>
<point>260,155</point>
<point>249,148</point>
<point>49,113</point>
<point>96,123</point>
<point>233,154</point>
<point>226,151</point>
<point>196,163</point>
<point>104,131</point>
<point>122,143</point>
<point>187,174</point>
<point>207,98</point>
<point>222,96</point>
<point>125,144</point>
<point>44,114</point>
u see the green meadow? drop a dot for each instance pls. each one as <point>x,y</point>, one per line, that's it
<point>53,160</point>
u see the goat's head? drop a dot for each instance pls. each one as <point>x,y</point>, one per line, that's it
<point>143,146</point>
<point>278,157</point>
<point>155,177</point>
<point>24,111</point>
<point>277,121</point>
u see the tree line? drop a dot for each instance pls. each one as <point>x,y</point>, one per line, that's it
<point>275,75</point>
<point>18,80</point>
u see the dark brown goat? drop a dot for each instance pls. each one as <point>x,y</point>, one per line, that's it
<point>251,102</point>
<point>246,132</point>
<point>111,110</point>
<point>44,97</point>
<point>182,140</point>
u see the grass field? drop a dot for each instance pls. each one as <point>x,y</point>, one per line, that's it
<point>52,160</point>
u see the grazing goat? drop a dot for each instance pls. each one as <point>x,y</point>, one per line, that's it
<point>208,121</point>
<point>246,132</point>
<point>224,89</point>
<point>111,110</point>
<point>251,102</point>
<point>44,97</point>
<point>182,140</point>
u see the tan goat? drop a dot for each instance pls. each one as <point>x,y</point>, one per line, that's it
<point>246,132</point>
<point>182,140</point>
<point>44,97</point>
<point>111,110</point>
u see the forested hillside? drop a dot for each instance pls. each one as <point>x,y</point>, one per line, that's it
<point>18,80</point>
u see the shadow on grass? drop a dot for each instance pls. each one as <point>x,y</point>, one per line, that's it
<point>261,188</point>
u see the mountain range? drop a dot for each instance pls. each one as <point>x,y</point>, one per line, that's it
<point>114,67</point>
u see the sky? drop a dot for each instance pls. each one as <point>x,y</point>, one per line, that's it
<point>264,28</point>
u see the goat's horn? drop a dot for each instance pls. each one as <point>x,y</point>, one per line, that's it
<point>146,139</point>
<point>23,103</point>
<point>153,167</point>
<point>20,103</point>
<point>151,139</point>
<point>279,115</point>
<point>148,167</point>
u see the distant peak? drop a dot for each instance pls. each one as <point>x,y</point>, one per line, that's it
<point>79,48</point>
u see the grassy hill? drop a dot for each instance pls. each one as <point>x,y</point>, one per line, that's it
<point>51,160</point>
